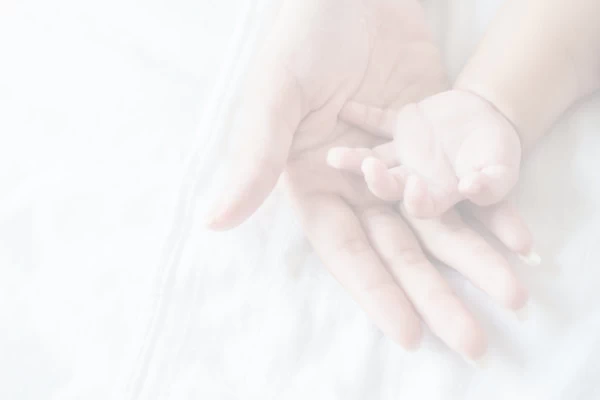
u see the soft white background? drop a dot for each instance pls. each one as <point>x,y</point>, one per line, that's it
<point>112,114</point>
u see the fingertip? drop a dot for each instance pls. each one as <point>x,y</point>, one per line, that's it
<point>531,258</point>
<point>335,156</point>
<point>520,241</point>
<point>522,314</point>
<point>211,220</point>
<point>470,340</point>
<point>390,310</point>
<point>410,336</point>
<point>240,195</point>
<point>519,300</point>
<point>457,327</point>
<point>470,185</point>
<point>510,228</point>
<point>487,186</point>
<point>513,295</point>
<point>372,167</point>
<point>217,220</point>
<point>348,158</point>
<point>514,234</point>
<point>480,362</point>
<point>226,215</point>
<point>477,190</point>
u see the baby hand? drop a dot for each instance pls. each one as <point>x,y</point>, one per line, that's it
<point>449,147</point>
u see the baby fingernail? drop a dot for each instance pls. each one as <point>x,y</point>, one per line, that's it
<point>532,258</point>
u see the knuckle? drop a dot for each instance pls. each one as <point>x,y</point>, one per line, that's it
<point>374,213</point>
<point>380,290</point>
<point>353,245</point>
<point>408,256</point>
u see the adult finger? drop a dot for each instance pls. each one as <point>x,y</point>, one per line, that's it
<point>451,241</point>
<point>506,223</point>
<point>431,295</point>
<point>338,238</point>
<point>488,185</point>
<point>351,159</point>
<point>424,200</point>
<point>387,184</point>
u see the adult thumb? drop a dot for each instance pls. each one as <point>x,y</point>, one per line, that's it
<point>270,112</point>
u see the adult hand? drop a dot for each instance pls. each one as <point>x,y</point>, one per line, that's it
<point>319,55</point>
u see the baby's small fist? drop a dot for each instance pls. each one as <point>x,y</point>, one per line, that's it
<point>446,148</point>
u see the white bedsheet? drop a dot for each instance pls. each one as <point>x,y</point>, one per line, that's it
<point>111,115</point>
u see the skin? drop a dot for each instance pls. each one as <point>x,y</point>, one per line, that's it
<point>537,59</point>
<point>319,55</point>
<point>447,148</point>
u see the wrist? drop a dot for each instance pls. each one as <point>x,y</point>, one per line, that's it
<point>537,60</point>
<point>531,109</point>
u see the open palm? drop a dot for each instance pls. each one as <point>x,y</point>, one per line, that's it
<point>319,55</point>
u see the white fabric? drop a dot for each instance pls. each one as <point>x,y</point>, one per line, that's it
<point>111,116</point>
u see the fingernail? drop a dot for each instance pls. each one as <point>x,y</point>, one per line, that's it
<point>532,258</point>
<point>481,363</point>
<point>522,314</point>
